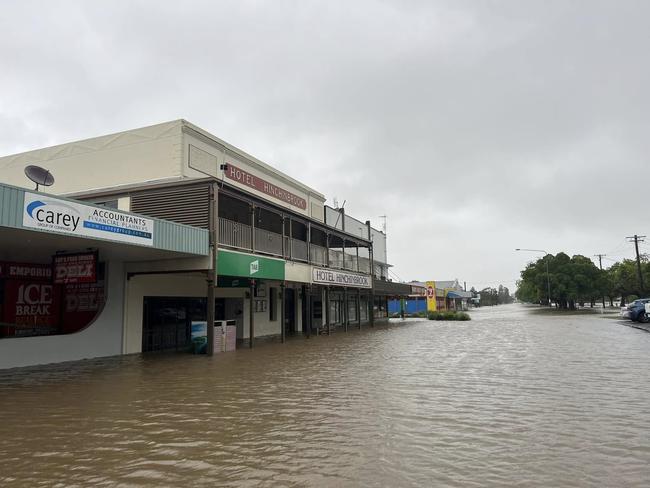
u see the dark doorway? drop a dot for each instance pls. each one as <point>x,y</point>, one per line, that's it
<point>290,311</point>
<point>166,322</point>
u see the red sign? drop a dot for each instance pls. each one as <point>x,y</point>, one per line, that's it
<point>81,304</point>
<point>259,184</point>
<point>31,308</point>
<point>75,268</point>
<point>21,271</point>
<point>431,292</point>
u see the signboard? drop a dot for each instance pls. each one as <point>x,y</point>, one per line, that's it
<point>340,278</point>
<point>81,304</point>
<point>22,271</point>
<point>75,268</point>
<point>52,214</point>
<point>249,266</point>
<point>431,296</point>
<point>232,282</point>
<point>31,307</point>
<point>247,179</point>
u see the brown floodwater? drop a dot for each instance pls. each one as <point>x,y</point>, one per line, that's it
<point>513,398</point>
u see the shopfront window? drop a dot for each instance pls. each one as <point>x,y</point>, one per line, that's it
<point>352,308</point>
<point>364,308</point>
<point>336,308</point>
<point>61,297</point>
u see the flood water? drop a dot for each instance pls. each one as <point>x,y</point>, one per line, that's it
<point>513,398</point>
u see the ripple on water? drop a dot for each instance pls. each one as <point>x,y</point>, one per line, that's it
<point>512,398</point>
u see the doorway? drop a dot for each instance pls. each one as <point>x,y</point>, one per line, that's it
<point>290,311</point>
<point>166,322</point>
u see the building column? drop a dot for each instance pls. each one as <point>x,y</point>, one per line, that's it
<point>282,310</point>
<point>306,290</point>
<point>213,230</point>
<point>251,322</point>
<point>327,309</point>
<point>345,308</point>
<point>359,307</point>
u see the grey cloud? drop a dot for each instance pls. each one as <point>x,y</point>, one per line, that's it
<point>476,127</point>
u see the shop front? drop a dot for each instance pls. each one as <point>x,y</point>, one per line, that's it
<point>345,298</point>
<point>63,274</point>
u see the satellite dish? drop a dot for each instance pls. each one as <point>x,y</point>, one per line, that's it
<point>39,175</point>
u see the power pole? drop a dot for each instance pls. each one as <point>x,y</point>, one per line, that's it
<point>636,240</point>
<point>600,263</point>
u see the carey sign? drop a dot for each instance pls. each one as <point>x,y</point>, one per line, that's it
<point>73,218</point>
<point>240,176</point>
<point>340,278</point>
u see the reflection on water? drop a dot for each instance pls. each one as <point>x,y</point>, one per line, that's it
<point>508,399</point>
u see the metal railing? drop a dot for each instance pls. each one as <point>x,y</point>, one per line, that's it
<point>318,254</point>
<point>299,250</point>
<point>364,265</point>
<point>351,262</point>
<point>336,259</point>
<point>234,234</point>
<point>267,241</point>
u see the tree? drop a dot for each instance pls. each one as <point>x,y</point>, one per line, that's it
<point>573,280</point>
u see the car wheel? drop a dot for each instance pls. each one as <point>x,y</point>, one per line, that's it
<point>643,318</point>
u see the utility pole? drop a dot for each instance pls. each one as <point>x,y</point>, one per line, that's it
<point>636,240</point>
<point>600,263</point>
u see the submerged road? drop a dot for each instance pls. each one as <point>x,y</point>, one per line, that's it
<point>516,397</point>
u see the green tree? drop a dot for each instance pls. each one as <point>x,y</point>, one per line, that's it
<point>573,280</point>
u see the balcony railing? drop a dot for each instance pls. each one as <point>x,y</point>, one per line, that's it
<point>238,235</point>
<point>351,262</point>
<point>267,241</point>
<point>318,255</point>
<point>336,259</point>
<point>364,265</point>
<point>234,234</point>
<point>299,250</point>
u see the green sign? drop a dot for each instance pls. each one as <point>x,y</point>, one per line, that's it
<point>249,266</point>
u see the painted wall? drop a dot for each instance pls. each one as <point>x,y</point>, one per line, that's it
<point>189,285</point>
<point>139,286</point>
<point>102,338</point>
<point>204,157</point>
<point>134,156</point>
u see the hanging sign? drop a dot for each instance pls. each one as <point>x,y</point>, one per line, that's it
<point>68,217</point>
<point>75,268</point>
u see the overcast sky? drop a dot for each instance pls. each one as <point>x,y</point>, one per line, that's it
<point>476,127</point>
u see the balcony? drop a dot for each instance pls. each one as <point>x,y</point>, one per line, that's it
<point>268,242</point>
<point>234,234</point>
<point>251,228</point>
<point>318,255</point>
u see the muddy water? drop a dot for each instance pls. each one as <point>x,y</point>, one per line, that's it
<point>512,398</point>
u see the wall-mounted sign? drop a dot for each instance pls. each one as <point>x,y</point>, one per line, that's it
<point>75,268</point>
<point>249,266</point>
<point>431,296</point>
<point>53,214</point>
<point>340,278</point>
<point>245,178</point>
<point>23,271</point>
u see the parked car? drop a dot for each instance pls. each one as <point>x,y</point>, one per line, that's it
<point>635,311</point>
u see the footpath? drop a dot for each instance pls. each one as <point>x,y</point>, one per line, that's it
<point>638,325</point>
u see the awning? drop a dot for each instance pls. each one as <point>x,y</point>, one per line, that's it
<point>459,294</point>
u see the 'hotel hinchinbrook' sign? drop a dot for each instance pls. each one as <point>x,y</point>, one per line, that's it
<point>340,278</point>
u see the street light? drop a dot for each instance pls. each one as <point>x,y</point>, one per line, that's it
<point>548,277</point>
